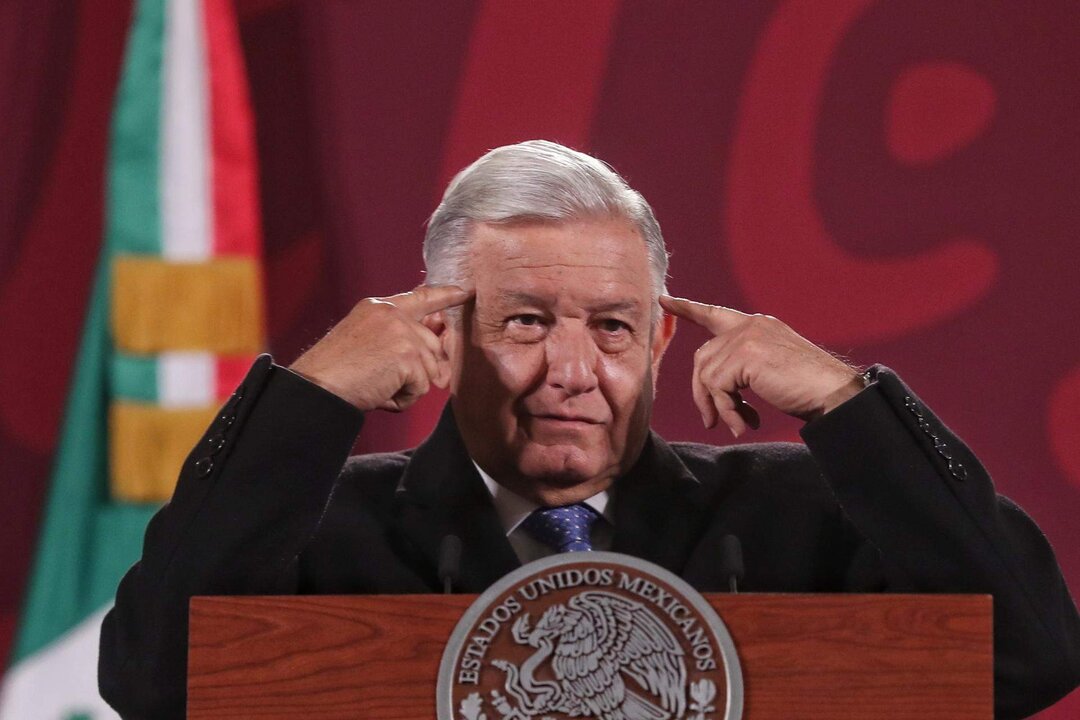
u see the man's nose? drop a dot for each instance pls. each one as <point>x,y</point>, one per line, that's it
<point>571,360</point>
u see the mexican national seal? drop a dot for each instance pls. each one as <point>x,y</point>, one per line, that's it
<point>590,635</point>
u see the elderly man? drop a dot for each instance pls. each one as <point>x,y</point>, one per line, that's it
<point>546,316</point>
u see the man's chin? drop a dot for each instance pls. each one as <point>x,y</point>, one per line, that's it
<point>558,475</point>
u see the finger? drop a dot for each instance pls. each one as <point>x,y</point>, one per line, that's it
<point>429,340</point>
<point>391,405</point>
<point>442,379</point>
<point>438,366</point>
<point>703,359</point>
<point>720,381</point>
<point>715,318</point>
<point>430,363</point>
<point>426,299</point>
<point>415,387</point>
<point>720,369</point>
<point>704,402</point>
<point>726,408</point>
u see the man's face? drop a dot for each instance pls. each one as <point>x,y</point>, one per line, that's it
<point>555,363</point>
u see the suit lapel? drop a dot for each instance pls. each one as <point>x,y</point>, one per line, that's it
<point>441,494</point>
<point>658,508</point>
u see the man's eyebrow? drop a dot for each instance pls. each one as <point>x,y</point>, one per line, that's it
<point>519,297</point>
<point>615,306</point>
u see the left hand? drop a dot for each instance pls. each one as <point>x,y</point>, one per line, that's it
<point>762,354</point>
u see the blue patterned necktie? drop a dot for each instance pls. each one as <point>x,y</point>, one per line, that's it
<point>564,529</point>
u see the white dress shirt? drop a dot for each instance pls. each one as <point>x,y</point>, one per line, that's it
<point>512,510</point>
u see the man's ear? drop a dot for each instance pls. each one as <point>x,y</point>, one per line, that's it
<point>449,333</point>
<point>662,336</point>
<point>440,324</point>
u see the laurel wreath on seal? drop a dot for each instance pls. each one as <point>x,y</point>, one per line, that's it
<point>702,695</point>
<point>471,708</point>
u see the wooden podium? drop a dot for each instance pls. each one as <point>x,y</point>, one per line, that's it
<point>803,656</point>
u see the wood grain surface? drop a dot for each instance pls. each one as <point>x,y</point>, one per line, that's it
<point>803,656</point>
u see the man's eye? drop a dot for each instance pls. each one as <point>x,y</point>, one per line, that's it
<point>611,325</point>
<point>525,320</point>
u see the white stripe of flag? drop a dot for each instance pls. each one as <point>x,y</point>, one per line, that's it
<point>186,379</point>
<point>184,175</point>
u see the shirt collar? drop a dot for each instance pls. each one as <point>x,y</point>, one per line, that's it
<point>512,509</point>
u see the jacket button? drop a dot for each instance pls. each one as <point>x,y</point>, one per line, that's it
<point>216,442</point>
<point>940,447</point>
<point>204,467</point>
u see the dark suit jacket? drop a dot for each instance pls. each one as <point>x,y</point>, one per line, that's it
<point>886,499</point>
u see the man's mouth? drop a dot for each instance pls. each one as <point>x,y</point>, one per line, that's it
<point>564,418</point>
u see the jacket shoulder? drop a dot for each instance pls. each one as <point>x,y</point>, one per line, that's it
<point>782,467</point>
<point>766,455</point>
<point>375,471</point>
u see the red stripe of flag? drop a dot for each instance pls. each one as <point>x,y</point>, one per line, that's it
<point>228,372</point>
<point>233,156</point>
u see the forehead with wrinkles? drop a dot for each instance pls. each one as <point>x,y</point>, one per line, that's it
<point>506,296</point>
<point>601,263</point>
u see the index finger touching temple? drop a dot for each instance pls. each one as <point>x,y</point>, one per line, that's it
<point>427,299</point>
<point>716,318</point>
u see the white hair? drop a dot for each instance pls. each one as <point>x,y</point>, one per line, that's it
<point>535,180</point>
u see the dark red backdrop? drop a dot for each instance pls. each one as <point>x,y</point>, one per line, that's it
<point>896,180</point>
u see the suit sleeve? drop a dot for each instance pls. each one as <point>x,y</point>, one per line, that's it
<point>249,497</point>
<point>926,504</point>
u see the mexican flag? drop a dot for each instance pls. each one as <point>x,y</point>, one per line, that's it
<point>174,319</point>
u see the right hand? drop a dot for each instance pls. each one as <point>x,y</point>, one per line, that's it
<point>386,352</point>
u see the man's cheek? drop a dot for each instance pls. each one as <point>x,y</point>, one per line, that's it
<point>515,366</point>
<point>625,379</point>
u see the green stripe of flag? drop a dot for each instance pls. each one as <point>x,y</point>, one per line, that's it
<point>133,210</point>
<point>135,377</point>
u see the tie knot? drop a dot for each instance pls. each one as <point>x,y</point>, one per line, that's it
<point>564,529</point>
